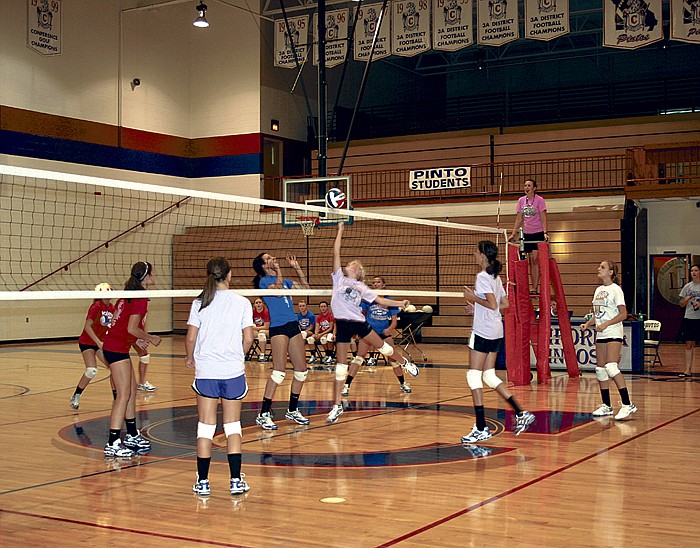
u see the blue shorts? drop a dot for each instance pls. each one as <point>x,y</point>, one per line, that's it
<point>227,389</point>
<point>289,330</point>
<point>346,329</point>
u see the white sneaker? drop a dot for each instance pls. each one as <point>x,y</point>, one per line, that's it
<point>117,449</point>
<point>201,487</point>
<point>296,416</point>
<point>405,388</point>
<point>346,390</point>
<point>523,422</point>
<point>335,413</point>
<point>477,435</point>
<point>602,410</point>
<point>137,443</point>
<point>265,421</point>
<point>410,367</point>
<point>75,401</point>
<point>625,411</point>
<point>239,486</point>
<point>147,387</point>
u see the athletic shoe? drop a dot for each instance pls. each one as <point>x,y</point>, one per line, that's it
<point>137,443</point>
<point>335,413</point>
<point>478,452</point>
<point>147,387</point>
<point>602,411</point>
<point>75,401</point>
<point>346,390</point>
<point>405,388</point>
<point>625,411</point>
<point>313,359</point>
<point>201,487</point>
<point>117,449</point>
<point>296,416</point>
<point>261,358</point>
<point>239,486</point>
<point>477,435</point>
<point>523,422</point>
<point>410,367</point>
<point>265,421</point>
<point>371,362</point>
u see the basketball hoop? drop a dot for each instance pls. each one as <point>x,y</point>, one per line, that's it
<point>307,224</point>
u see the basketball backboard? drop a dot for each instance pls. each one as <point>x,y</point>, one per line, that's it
<point>312,191</point>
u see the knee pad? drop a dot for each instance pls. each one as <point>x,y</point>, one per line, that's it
<point>358,360</point>
<point>491,379</point>
<point>612,369</point>
<point>91,372</point>
<point>324,339</point>
<point>300,375</point>
<point>206,431</point>
<point>304,334</point>
<point>145,358</point>
<point>277,376</point>
<point>474,379</point>
<point>231,428</point>
<point>262,337</point>
<point>601,374</point>
<point>310,340</point>
<point>330,337</point>
<point>341,371</point>
<point>386,349</point>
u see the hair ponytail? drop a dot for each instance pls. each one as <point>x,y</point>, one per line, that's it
<point>217,271</point>
<point>490,250</point>
<point>259,267</point>
<point>615,277</point>
<point>139,271</point>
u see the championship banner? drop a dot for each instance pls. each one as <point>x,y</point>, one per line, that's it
<point>631,24</point>
<point>452,24</point>
<point>546,19</point>
<point>410,27</point>
<point>685,21</point>
<point>298,35</point>
<point>44,26</point>
<point>336,37</point>
<point>440,178</point>
<point>367,24</point>
<point>496,22</point>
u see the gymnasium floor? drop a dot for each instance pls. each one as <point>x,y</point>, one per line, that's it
<point>392,471</point>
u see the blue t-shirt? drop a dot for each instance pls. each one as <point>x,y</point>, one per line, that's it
<point>306,322</point>
<point>281,308</point>
<point>378,317</point>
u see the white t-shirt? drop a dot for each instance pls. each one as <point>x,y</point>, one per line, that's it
<point>347,296</point>
<point>487,322</point>
<point>218,351</point>
<point>605,302</point>
<point>691,290</point>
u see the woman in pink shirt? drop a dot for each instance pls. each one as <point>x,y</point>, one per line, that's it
<point>532,216</point>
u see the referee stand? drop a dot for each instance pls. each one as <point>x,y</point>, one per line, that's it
<point>524,328</point>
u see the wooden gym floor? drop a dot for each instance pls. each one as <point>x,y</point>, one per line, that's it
<point>392,471</point>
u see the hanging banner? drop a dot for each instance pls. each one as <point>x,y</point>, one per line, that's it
<point>289,41</point>
<point>685,21</point>
<point>368,22</point>
<point>497,22</point>
<point>546,19</point>
<point>336,37</point>
<point>44,26</point>
<point>631,24</point>
<point>411,27</point>
<point>452,24</point>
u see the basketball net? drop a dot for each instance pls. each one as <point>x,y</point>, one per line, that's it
<point>307,224</point>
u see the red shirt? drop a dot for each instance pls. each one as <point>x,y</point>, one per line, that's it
<point>259,318</point>
<point>118,338</point>
<point>325,321</point>
<point>101,316</point>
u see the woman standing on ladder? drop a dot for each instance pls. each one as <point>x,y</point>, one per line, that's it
<point>532,216</point>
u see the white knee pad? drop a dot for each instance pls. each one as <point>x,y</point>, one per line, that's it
<point>601,374</point>
<point>310,340</point>
<point>329,337</point>
<point>145,359</point>
<point>491,379</point>
<point>91,372</point>
<point>324,339</point>
<point>612,369</point>
<point>300,375</point>
<point>277,376</point>
<point>262,337</point>
<point>386,349</point>
<point>474,379</point>
<point>341,371</point>
<point>304,334</point>
<point>358,360</point>
<point>206,431</point>
<point>231,428</point>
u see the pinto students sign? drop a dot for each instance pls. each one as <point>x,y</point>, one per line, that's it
<point>440,178</point>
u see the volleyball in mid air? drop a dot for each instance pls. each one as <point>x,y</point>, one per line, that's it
<point>335,198</point>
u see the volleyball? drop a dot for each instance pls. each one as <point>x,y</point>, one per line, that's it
<point>410,309</point>
<point>103,287</point>
<point>427,309</point>
<point>335,198</point>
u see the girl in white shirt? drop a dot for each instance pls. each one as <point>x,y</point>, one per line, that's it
<point>609,311</point>
<point>485,301</point>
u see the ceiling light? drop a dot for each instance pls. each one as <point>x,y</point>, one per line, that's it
<point>201,20</point>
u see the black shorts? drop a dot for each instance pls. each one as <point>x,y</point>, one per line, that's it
<point>690,330</point>
<point>346,330</point>
<point>84,347</point>
<point>485,346</point>
<point>536,237</point>
<point>114,357</point>
<point>227,389</point>
<point>612,339</point>
<point>289,330</point>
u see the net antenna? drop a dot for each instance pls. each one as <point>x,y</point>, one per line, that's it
<point>308,224</point>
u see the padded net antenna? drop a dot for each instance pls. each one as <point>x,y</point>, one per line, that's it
<point>308,224</point>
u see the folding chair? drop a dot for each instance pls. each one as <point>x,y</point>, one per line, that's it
<point>255,352</point>
<point>652,340</point>
<point>408,331</point>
